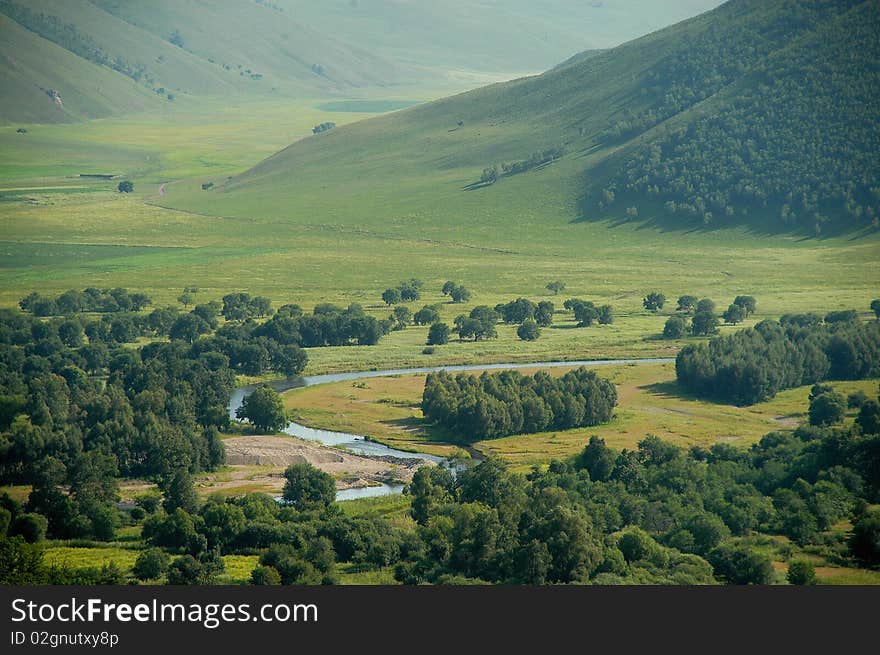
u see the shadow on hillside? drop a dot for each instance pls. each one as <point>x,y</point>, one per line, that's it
<point>654,217</point>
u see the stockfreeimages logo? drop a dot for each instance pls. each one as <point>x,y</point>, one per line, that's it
<point>209,615</point>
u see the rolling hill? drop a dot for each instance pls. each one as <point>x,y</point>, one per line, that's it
<point>187,49</point>
<point>765,112</point>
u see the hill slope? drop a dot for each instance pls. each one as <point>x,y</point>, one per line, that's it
<point>292,48</point>
<point>43,82</point>
<point>109,56</point>
<point>491,35</point>
<point>729,109</point>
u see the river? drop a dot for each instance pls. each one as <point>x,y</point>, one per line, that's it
<point>362,446</point>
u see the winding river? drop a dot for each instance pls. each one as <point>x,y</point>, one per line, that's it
<point>358,443</point>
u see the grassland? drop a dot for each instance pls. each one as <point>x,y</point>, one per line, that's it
<point>649,402</point>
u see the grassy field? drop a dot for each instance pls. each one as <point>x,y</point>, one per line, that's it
<point>649,402</point>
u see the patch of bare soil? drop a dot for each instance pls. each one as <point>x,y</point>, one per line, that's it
<point>259,462</point>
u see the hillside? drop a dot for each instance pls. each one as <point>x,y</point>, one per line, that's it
<point>115,57</point>
<point>43,82</point>
<point>189,49</point>
<point>759,111</point>
<point>491,35</point>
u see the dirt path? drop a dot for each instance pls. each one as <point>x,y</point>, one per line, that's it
<point>162,188</point>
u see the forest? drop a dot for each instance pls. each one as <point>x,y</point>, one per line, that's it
<point>792,135</point>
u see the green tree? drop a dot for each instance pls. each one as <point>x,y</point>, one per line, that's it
<point>555,287</point>
<point>265,576</point>
<point>748,304</point>
<point>438,334</point>
<point>827,408</point>
<point>704,324</point>
<point>705,305</point>
<point>30,527</point>
<point>179,492</point>
<point>654,301</point>
<point>308,487</point>
<point>675,327</point>
<point>875,307</point>
<point>869,417</point>
<point>402,317</point>
<point>801,572</point>
<point>125,186</point>
<point>21,563</point>
<point>391,296</point>
<point>151,564</point>
<point>264,409</point>
<point>426,315</point>
<point>864,541</point>
<point>529,330</point>
<point>740,565</point>
<point>448,286</point>
<point>186,299</point>
<point>686,304</point>
<point>544,313</point>
<point>734,314</point>
<point>460,294</point>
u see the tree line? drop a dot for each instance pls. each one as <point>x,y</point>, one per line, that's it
<point>752,365</point>
<point>499,404</point>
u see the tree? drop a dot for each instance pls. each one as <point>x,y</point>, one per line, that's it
<point>410,289</point>
<point>402,317</point>
<point>264,408</point>
<point>438,334</point>
<point>654,301</point>
<point>739,565</point>
<point>186,299</point>
<point>151,564</point>
<point>827,408</point>
<point>869,417</point>
<point>460,294</point>
<point>188,327</point>
<point>705,305</point>
<point>125,186</point>
<point>544,313</point>
<point>704,323</point>
<point>290,360</point>
<point>606,315</point>
<point>675,327</point>
<point>426,315</point>
<point>748,304</point>
<point>801,572</point>
<point>864,542</point>
<point>180,492</point>
<point>528,331</point>
<point>598,459</point>
<point>448,286</point>
<point>875,307</point>
<point>21,563</point>
<point>308,487</point>
<point>391,296</point>
<point>686,304</point>
<point>265,576</point>
<point>30,527</point>
<point>555,287</point>
<point>734,314</point>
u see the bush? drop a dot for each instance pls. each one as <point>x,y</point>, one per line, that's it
<point>151,564</point>
<point>125,186</point>
<point>31,527</point>
<point>265,575</point>
<point>801,572</point>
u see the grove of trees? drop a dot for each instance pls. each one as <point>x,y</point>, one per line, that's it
<point>499,404</point>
